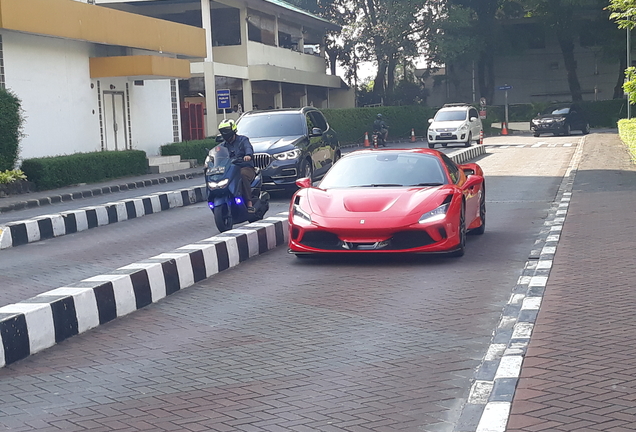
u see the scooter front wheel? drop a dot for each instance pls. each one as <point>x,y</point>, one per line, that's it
<point>223,218</point>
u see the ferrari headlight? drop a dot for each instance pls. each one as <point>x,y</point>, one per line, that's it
<point>435,215</point>
<point>218,185</point>
<point>288,155</point>
<point>300,213</point>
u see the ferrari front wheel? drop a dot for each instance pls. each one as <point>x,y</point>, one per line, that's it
<point>461,247</point>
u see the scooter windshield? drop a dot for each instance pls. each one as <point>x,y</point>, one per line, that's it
<point>220,159</point>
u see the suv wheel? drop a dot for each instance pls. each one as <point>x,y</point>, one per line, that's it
<point>305,169</point>
<point>469,140</point>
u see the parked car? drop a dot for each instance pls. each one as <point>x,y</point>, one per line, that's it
<point>560,120</point>
<point>290,144</point>
<point>454,123</point>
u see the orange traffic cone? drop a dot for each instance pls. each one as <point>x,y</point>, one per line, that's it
<point>366,140</point>
<point>504,128</point>
<point>412,135</point>
<point>481,137</point>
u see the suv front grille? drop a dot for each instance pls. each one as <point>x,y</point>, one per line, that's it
<point>262,160</point>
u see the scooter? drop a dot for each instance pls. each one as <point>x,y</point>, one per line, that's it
<point>378,139</point>
<point>223,180</point>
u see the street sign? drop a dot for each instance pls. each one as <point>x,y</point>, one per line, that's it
<point>482,101</point>
<point>223,100</point>
<point>505,87</point>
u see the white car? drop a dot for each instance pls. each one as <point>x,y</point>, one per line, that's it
<point>454,124</point>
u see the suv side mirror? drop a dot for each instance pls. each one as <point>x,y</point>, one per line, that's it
<point>219,138</point>
<point>472,119</point>
<point>430,121</point>
<point>316,132</point>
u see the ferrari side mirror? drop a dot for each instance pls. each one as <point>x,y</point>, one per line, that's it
<point>303,183</point>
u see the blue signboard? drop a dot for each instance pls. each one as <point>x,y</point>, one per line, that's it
<point>504,87</point>
<point>223,100</point>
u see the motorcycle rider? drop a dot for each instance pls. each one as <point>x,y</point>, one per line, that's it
<point>379,125</point>
<point>240,147</point>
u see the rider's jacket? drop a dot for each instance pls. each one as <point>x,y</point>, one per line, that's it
<point>379,125</point>
<point>241,147</point>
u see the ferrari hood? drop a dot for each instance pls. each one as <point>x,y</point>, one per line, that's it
<point>379,202</point>
<point>274,144</point>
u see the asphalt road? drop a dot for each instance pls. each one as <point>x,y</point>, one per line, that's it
<point>277,343</point>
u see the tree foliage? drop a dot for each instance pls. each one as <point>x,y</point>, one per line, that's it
<point>11,122</point>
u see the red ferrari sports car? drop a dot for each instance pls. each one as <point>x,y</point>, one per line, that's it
<point>389,200</point>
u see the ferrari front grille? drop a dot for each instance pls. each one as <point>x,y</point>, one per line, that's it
<point>410,240</point>
<point>262,160</point>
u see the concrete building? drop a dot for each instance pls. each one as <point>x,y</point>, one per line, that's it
<point>92,78</point>
<point>267,53</point>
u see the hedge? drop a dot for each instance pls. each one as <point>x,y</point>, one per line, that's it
<point>11,121</point>
<point>59,171</point>
<point>627,133</point>
<point>351,123</point>
<point>189,149</point>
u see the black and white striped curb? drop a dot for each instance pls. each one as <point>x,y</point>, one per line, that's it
<point>88,193</point>
<point>46,319</point>
<point>490,398</point>
<point>48,226</point>
<point>468,154</point>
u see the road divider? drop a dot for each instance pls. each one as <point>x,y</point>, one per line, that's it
<point>49,318</point>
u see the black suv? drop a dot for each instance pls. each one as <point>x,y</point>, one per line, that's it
<point>560,120</point>
<point>290,144</point>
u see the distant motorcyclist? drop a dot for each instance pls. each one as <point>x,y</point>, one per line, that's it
<point>240,148</point>
<point>380,126</point>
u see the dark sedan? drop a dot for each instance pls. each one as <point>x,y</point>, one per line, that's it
<point>560,120</point>
<point>290,144</point>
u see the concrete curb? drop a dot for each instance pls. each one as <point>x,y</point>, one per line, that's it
<point>464,155</point>
<point>46,319</point>
<point>73,196</point>
<point>72,221</point>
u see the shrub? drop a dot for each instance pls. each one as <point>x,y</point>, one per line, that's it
<point>189,149</point>
<point>54,172</point>
<point>11,121</point>
<point>627,133</point>
<point>10,176</point>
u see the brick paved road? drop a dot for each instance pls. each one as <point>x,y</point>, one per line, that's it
<point>278,343</point>
<point>580,370</point>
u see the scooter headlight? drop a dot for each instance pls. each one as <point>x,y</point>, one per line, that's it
<point>288,155</point>
<point>435,215</point>
<point>218,185</point>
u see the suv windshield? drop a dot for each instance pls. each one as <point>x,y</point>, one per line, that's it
<point>454,115</point>
<point>556,110</point>
<point>271,125</point>
<point>385,170</point>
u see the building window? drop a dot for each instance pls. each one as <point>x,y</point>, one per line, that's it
<point>2,83</point>
<point>175,110</point>
<point>226,29</point>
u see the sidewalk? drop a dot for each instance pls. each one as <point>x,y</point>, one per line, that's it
<point>579,372</point>
<point>78,192</point>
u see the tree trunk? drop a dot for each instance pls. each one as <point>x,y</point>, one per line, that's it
<point>380,78</point>
<point>333,58</point>
<point>486,76</point>
<point>619,93</point>
<point>567,49</point>
<point>390,86</point>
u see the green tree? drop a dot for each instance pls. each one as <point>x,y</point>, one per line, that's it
<point>11,122</point>
<point>624,13</point>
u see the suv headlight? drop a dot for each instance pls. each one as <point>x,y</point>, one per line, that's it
<point>463,127</point>
<point>435,215</point>
<point>288,155</point>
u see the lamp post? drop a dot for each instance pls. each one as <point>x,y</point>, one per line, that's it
<point>629,63</point>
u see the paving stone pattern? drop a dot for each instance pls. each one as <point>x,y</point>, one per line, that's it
<point>579,372</point>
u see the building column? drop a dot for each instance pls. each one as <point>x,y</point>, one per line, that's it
<point>303,98</point>
<point>208,71</point>
<point>278,97</point>
<point>248,102</point>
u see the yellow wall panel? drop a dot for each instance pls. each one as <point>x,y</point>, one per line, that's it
<point>92,23</point>
<point>139,66</point>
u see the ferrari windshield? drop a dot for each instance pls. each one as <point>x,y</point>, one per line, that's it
<point>271,125</point>
<point>451,115</point>
<point>385,169</point>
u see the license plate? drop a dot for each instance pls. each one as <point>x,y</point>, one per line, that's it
<point>216,170</point>
<point>445,134</point>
